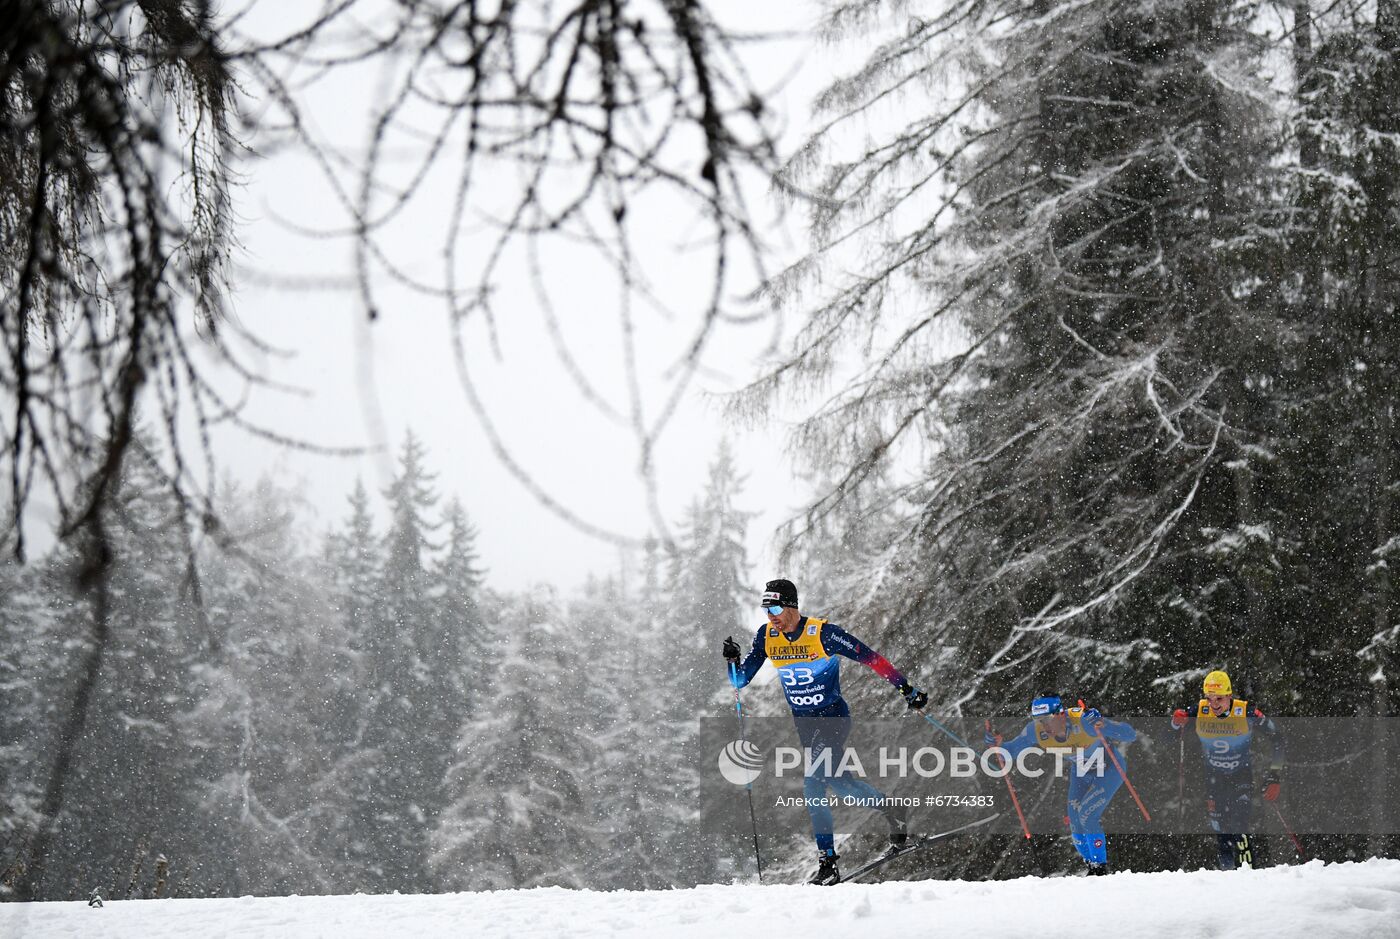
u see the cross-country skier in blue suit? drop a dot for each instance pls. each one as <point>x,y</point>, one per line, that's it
<point>1055,727</point>
<point>804,650</point>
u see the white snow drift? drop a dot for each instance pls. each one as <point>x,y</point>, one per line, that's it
<point>1314,901</point>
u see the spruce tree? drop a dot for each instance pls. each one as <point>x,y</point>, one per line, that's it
<point>401,793</point>
<point>710,597</point>
<point>133,779</point>
<point>709,591</point>
<point>463,638</point>
<point>1347,252</point>
<point>1053,459</point>
<point>32,661</point>
<point>353,557</point>
<point>265,720</point>
<point>519,812</point>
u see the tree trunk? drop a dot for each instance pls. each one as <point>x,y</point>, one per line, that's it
<point>1250,646</point>
<point>1382,296</point>
<point>1302,73</point>
<point>1308,151</point>
<point>1380,692</point>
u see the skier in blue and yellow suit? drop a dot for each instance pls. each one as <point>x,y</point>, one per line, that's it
<point>804,650</point>
<point>1225,726</point>
<point>1055,727</point>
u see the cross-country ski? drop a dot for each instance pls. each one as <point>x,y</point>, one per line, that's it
<point>909,847</point>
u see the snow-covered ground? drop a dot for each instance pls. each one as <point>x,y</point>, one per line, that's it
<point>1314,901</point>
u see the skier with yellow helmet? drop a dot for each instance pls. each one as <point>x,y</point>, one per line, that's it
<point>1226,725</point>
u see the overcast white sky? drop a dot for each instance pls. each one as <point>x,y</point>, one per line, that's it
<point>573,451</point>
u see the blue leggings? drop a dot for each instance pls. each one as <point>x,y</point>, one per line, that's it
<point>1089,795</point>
<point>827,730</point>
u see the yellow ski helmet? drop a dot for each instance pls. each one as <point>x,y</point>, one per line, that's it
<point>1217,683</point>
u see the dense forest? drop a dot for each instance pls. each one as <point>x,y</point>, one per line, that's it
<point>357,710</point>
<point>1120,281</point>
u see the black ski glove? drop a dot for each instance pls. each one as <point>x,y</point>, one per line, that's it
<point>915,698</point>
<point>731,649</point>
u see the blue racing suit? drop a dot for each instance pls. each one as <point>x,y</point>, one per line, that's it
<point>807,663</point>
<point>1089,791</point>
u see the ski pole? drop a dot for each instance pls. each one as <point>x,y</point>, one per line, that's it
<point>1126,781</point>
<point>1021,816</point>
<point>748,787</point>
<point>1181,778</point>
<point>1297,845</point>
<point>955,737</point>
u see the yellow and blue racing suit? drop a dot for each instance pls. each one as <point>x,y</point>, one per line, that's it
<point>808,665</point>
<point>1225,747</point>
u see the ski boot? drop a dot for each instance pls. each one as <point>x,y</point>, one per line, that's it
<point>827,874</point>
<point>898,817</point>
<point>1244,852</point>
<point>1098,870</point>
